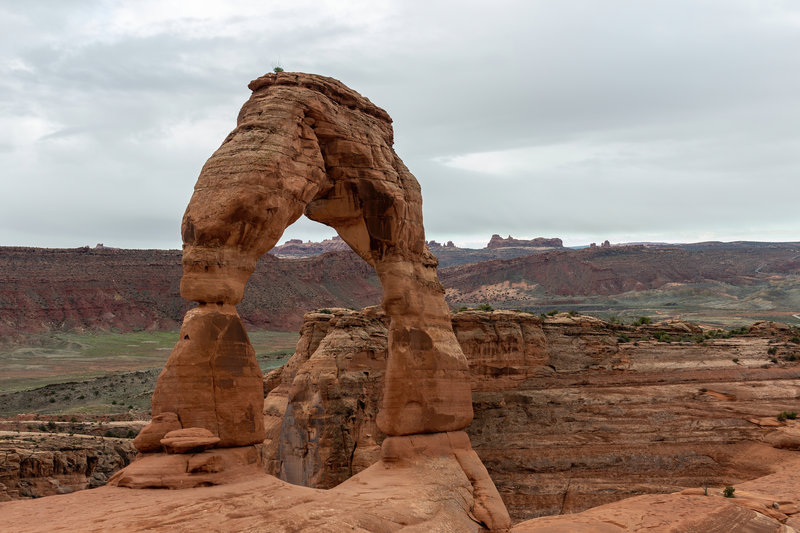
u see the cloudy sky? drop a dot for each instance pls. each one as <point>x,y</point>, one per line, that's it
<point>628,120</point>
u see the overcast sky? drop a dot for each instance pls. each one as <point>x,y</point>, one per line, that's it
<point>665,120</point>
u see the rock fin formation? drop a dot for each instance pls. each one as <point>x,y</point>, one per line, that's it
<point>306,144</point>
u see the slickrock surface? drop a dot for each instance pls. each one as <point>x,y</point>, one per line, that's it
<point>426,494</point>
<point>420,495</point>
<point>566,416</point>
<point>768,504</point>
<point>33,465</point>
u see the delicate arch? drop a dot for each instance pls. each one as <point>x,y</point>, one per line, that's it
<point>308,144</point>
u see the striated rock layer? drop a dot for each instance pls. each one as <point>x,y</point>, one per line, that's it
<point>570,412</point>
<point>307,144</point>
<point>539,242</point>
<point>33,465</point>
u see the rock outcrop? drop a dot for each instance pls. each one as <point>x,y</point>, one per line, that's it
<point>307,144</point>
<point>34,465</point>
<point>539,242</point>
<point>296,248</point>
<point>570,412</point>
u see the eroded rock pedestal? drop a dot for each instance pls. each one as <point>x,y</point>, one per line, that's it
<point>306,144</point>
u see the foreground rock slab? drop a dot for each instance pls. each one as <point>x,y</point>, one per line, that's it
<point>409,494</point>
<point>409,491</point>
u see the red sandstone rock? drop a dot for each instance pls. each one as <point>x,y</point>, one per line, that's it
<point>566,415</point>
<point>186,470</point>
<point>308,144</point>
<point>149,438</point>
<point>539,242</point>
<point>189,440</point>
<point>212,379</point>
<point>297,248</point>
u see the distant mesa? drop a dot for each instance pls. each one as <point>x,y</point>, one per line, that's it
<point>433,244</point>
<point>539,242</point>
<point>297,248</point>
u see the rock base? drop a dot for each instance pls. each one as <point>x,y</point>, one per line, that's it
<point>182,471</point>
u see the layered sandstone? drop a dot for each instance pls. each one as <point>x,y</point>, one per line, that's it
<point>89,289</point>
<point>308,144</point>
<point>570,412</point>
<point>33,465</point>
<point>297,248</point>
<point>539,242</point>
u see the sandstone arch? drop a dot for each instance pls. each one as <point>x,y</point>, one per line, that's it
<point>308,144</point>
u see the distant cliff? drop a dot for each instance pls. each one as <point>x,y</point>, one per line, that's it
<point>102,289</point>
<point>295,248</point>
<point>91,289</point>
<point>539,242</point>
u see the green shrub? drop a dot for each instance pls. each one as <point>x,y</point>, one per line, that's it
<point>772,350</point>
<point>662,336</point>
<point>795,339</point>
<point>277,69</point>
<point>728,492</point>
<point>485,307</point>
<point>642,320</point>
<point>326,311</point>
<point>781,416</point>
<point>553,312</point>
<point>623,338</point>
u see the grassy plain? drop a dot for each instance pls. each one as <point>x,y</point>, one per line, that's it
<point>65,357</point>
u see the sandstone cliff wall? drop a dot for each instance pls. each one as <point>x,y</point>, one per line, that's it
<point>102,289</point>
<point>567,415</point>
<point>33,465</point>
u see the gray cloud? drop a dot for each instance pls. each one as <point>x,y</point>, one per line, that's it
<point>668,120</point>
